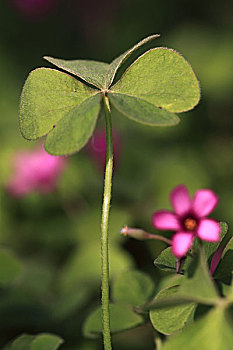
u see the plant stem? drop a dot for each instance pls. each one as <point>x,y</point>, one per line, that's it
<point>104,227</point>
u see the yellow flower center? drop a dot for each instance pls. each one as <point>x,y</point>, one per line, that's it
<point>190,224</point>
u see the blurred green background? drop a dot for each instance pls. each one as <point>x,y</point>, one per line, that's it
<point>52,240</point>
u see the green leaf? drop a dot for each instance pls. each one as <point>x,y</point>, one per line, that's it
<point>195,286</point>
<point>198,283</point>
<point>46,342</point>
<point>22,343</point>
<point>38,342</point>
<point>142,111</point>
<point>93,72</point>
<point>73,131</point>
<point>47,96</point>
<point>162,77</point>
<point>171,319</point>
<point>121,318</point>
<point>166,261</point>
<point>133,288</point>
<point>99,74</point>
<point>10,267</point>
<point>213,331</point>
<point>115,65</point>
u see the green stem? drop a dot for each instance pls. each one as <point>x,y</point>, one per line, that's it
<point>104,227</point>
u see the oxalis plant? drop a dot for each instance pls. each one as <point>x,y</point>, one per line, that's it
<point>64,105</point>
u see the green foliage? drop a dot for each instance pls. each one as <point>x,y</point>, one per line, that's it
<point>156,85</point>
<point>115,65</point>
<point>121,318</point>
<point>171,319</point>
<point>162,77</point>
<point>195,286</point>
<point>141,111</point>
<point>198,152</point>
<point>92,72</point>
<point>73,131</point>
<point>213,331</point>
<point>132,287</point>
<point>166,260</point>
<point>22,343</point>
<point>47,96</point>
<point>38,342</point>
<point>99,74</point>
<point>198,283</point>
<point>10,267</point>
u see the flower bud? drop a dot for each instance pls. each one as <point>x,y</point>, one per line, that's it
<point>136,233</point>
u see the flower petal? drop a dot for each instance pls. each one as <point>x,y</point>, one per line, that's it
<point>204,202</point>
<point>165,220</point>
<point>181,242</point>
<point>180,200</point>
<point>209,230</point>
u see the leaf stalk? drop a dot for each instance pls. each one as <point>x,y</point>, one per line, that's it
<point>104,227</point>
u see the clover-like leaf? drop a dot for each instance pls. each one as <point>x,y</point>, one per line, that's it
<point>142,111</point>
<point>198,283</point>
<point>132,288</point>
<point>73,131</point>
<point>93,72</point>
<point>168,320</point>
<point>99,74</point>
<point>195,286</point>
<point>47,96</point>
<point>162,77</point>
<point>115,65</point>
<point>166,261</point>
<point>44,341</point>
<point>213,331</point>
<point>23,342</point>
<point>121,318</point>
<point>158,84</point>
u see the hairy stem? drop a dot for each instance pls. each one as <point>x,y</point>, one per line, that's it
<point>104,227</point>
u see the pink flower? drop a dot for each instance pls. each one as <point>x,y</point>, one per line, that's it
<point>189,219</point>
<point>35,171</point>
<point>96,147</point>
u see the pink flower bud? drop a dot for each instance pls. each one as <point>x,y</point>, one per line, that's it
<point>136,233</point>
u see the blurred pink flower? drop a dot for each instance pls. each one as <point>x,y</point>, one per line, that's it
<point>35,171</point>
<point>189,219</point>
<point>34,7</point>
<point>96,147</point>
